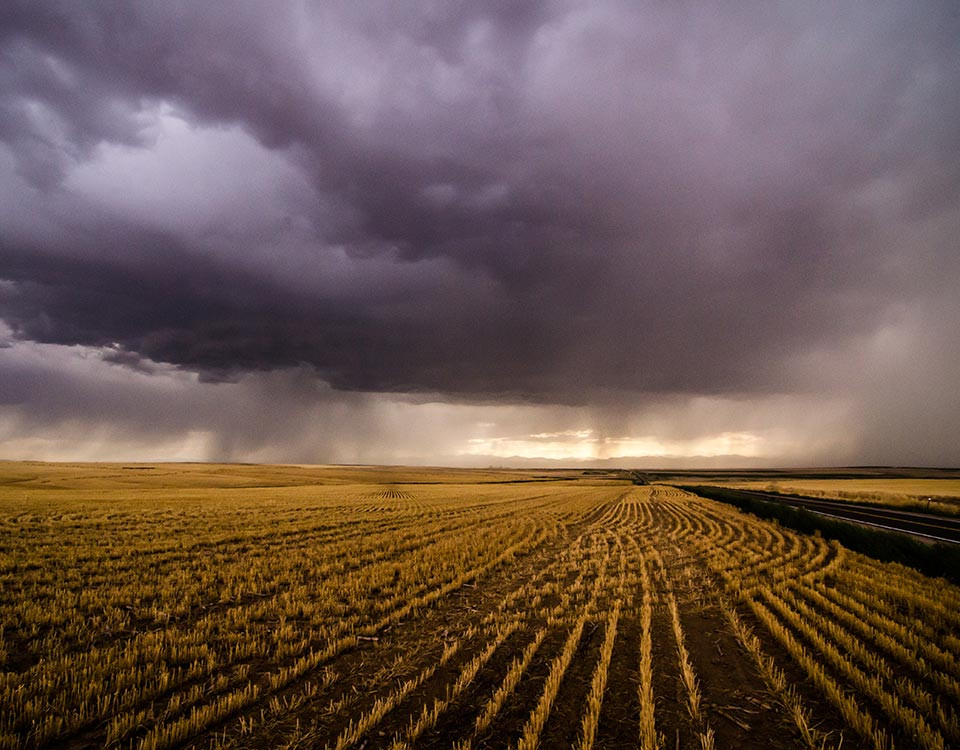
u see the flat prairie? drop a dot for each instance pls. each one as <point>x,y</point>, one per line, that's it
<point>244,606</point>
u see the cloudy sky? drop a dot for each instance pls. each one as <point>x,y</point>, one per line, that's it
<point>651,233</point>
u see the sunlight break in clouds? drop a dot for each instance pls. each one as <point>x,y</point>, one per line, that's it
<point>584,445</point>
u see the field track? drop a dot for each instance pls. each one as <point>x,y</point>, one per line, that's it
<point>929,526</point>
<point>462,616</point>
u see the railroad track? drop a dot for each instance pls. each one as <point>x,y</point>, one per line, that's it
<point>936,528</point>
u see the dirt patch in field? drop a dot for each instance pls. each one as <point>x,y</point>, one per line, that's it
<point>458,721</point>
<point>565,718</point>
<point>620,712</point>
<point>669,699</point>
<point>509,723</point>
<point>736,702</point>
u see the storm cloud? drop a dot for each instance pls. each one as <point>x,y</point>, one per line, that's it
<point>551,204</point>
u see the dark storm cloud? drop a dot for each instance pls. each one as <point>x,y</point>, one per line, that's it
<point>585,198</point>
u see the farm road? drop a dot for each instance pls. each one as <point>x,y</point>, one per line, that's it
<point>924,525</point>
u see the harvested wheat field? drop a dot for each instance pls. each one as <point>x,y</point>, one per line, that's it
<point>296,607</point>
